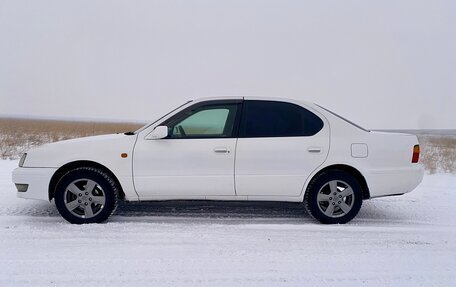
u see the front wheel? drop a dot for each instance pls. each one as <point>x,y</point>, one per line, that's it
<point>333,197</point>
<point>86,195</point>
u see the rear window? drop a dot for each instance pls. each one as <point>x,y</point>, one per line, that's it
<point>344,119</point>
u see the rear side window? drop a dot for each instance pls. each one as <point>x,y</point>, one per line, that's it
<point>277,119</point>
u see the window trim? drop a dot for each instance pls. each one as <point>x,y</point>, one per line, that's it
<point>189,110</point>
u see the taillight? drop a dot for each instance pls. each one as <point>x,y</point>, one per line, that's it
<point>416,153</point>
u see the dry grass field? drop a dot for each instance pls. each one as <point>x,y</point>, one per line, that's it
<point>18,135</point>
<point>438,153</point>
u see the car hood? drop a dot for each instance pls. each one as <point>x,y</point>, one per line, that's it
<point>95,148</point>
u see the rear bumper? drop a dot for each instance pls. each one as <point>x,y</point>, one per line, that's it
<point>387,182</point>
<point>37,180</point>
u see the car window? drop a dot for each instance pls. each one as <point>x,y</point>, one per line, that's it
<point>277,119</point>
<point>204,122</point>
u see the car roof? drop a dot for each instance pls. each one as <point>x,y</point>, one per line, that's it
<point>258,98</point>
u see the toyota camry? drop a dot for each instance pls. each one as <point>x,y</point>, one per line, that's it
<point>236,148</point>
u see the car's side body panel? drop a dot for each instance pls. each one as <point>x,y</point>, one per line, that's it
<point>387,167</point>
<point>189,168</point>
<point>105,150</point>
<point>279,166</point>
<point>184,167</point>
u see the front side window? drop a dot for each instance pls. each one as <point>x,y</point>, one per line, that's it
<point>212,121</point>
<point>277,119</point>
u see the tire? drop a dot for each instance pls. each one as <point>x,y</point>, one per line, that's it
<point>86,195</point>
<point>333,197</point>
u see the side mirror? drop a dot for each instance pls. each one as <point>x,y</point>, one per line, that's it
<point>159,132</point>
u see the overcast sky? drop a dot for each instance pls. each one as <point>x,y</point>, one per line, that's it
<point>382,64</point>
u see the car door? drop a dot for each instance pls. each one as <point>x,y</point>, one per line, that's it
<point>196,159</point>
<point>280,144</point>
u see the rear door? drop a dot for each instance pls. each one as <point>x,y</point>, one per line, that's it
<point>280,144</point>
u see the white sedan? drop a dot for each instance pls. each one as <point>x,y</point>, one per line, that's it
<point>242,148</point>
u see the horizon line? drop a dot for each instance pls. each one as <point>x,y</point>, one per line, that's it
<point>71,119</point>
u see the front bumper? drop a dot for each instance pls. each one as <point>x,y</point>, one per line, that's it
<point>37,179</point>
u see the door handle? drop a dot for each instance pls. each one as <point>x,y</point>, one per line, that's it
<point>221,150</point>
<point>314,149</point>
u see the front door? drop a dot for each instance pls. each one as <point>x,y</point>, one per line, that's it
<point>197,157</point>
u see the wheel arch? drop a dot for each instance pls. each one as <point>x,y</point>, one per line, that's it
<point>76,164</point>
<point>349,169</point>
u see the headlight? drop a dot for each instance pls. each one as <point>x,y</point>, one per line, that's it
<point>21,161</point>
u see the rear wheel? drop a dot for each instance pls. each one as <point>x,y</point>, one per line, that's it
<point>333,197</point>
<point>86,195</point>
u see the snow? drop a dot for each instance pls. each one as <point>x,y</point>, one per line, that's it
<point>408,240</point>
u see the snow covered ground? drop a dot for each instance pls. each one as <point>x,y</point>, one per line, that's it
<point>408,240</point>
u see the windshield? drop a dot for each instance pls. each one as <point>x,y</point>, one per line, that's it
<point>172,111</point>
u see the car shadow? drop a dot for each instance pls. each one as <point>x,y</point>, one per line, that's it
<point>221,212</point>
